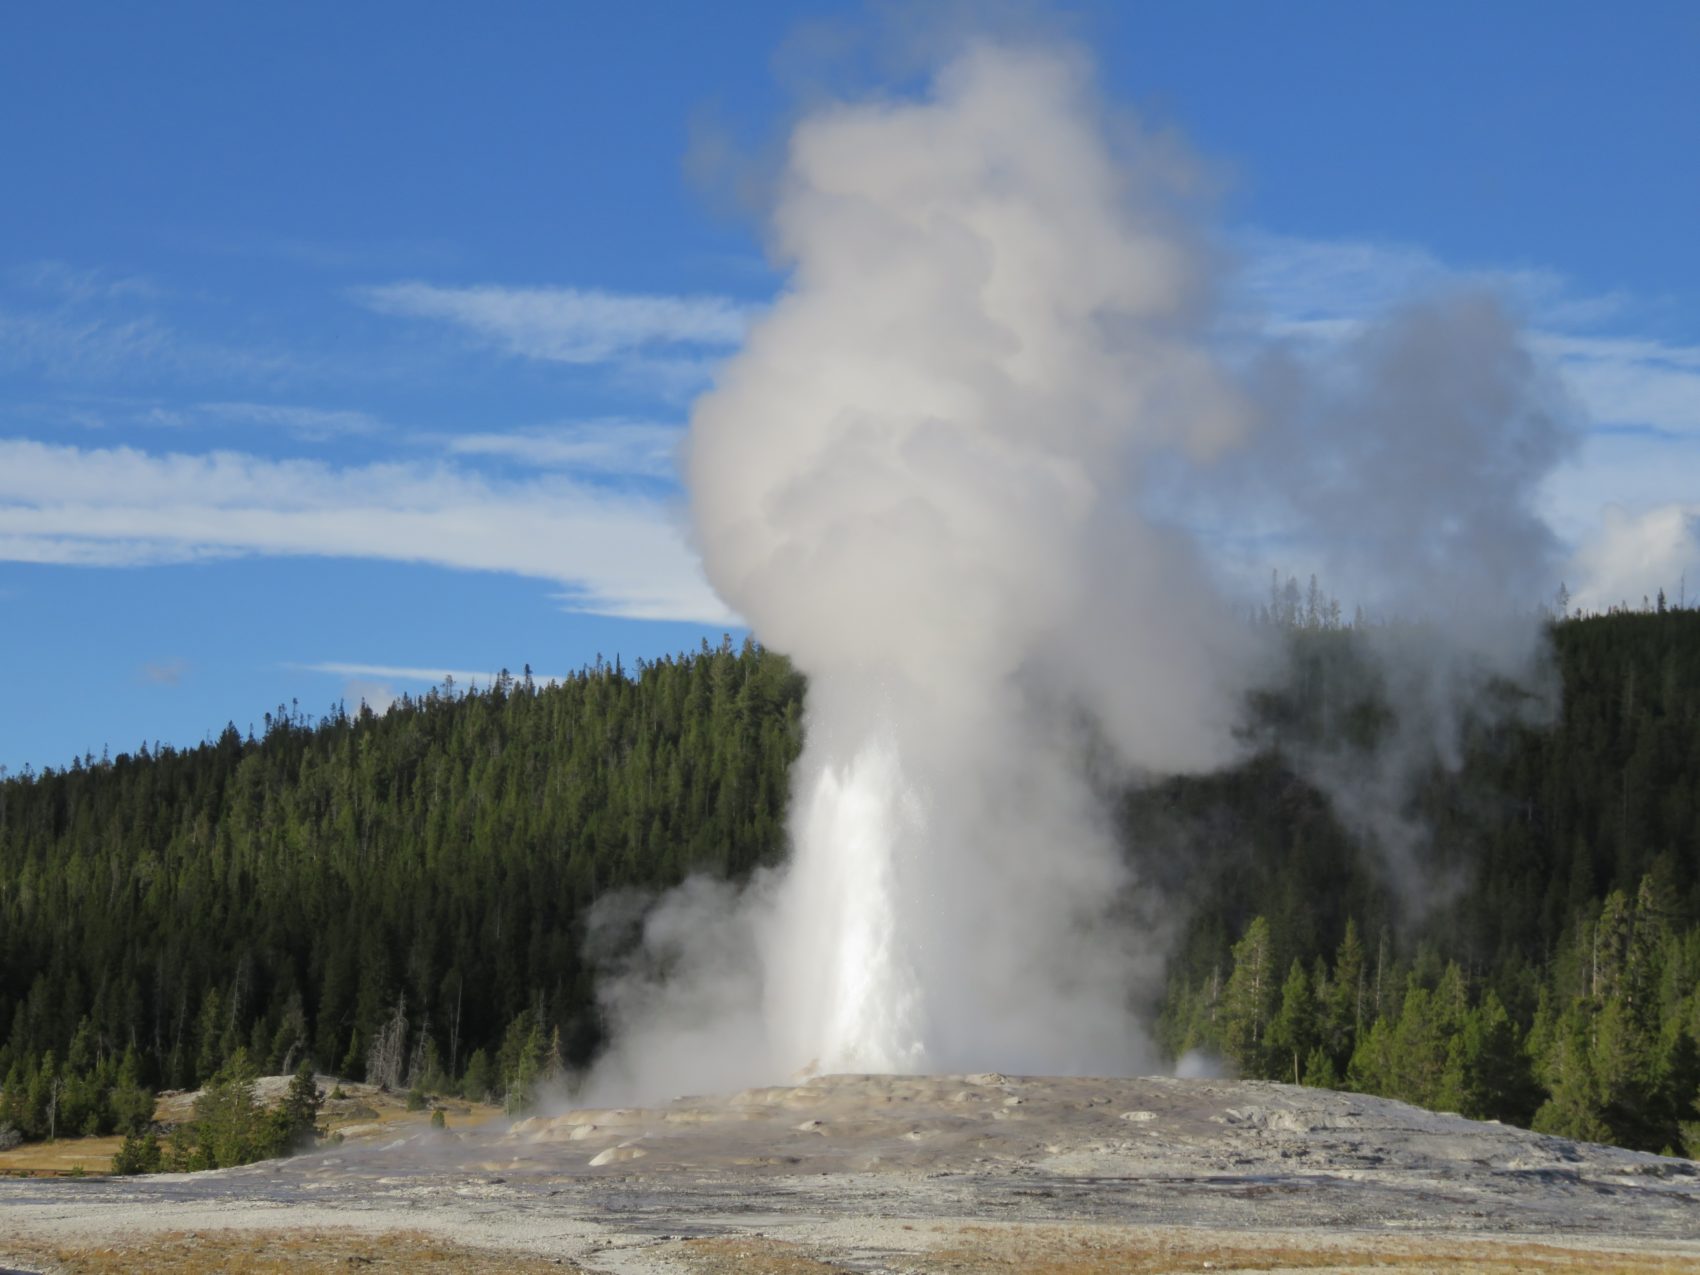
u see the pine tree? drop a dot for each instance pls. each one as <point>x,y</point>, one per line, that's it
<point>1292,1033</point>
<point>1249,998</point>
<point>1346,1003</point>
<point>1576,1105</point>
<point>297,1116</point>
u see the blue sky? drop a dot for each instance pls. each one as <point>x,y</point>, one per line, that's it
<point>344,346</point>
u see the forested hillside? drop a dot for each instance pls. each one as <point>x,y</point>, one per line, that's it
<point>403,897</point>
<point>400,895</point>
<point>1543,968</point>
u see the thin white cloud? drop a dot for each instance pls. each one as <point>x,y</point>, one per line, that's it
<point>567,325</point>
<point>611,447</point>
<point>674,379</point>
<point>1295,279</point>
<point>76,285</point>
<point>99,338</point>
<point>304,422</point>
<point>1631,380</point>
<point>411,673</point>
<point>619,553</point>
<point>93,411</point>
<point>1303,279</point>
<point>77,551</point>
<point>76,345</point>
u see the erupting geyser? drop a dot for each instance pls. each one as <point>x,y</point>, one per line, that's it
<point>915,481</point>
<point>928,477</point>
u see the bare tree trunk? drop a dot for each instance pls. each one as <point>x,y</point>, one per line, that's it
<point>416,1059</point>
<point>384,1060</point>
<point>454,1030</point>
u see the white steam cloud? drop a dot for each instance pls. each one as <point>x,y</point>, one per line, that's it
<point>1405,465</point>
<point>928,478</point>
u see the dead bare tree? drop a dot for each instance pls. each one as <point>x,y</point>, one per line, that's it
<point>388,1054</point>
<point>454,1030</point>
<point>416,1059</point>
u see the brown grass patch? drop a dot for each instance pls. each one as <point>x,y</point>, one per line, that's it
<point>1095,1251</point>
<point>57,1159</point>
<point>274,1253</point>
<point>754,1254</point>
<point>385,1114</point>
<point>993,1250</point>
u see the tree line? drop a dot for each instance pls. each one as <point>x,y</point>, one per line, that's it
<point>403,897</point>
<point>399,897</point>
<point>1549,973</point>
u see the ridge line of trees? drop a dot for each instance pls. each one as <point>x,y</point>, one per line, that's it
<point>403,897</point>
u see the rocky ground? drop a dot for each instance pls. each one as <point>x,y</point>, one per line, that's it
<point>921,1174</point>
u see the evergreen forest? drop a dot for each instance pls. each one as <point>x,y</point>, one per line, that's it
<point>403,898</point>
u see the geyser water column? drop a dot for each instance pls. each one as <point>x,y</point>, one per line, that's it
<point>842,987</point>
<point>916,480</point>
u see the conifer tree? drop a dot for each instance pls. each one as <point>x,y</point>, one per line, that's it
<point>1248,1000</point>
<point>1292,1033</point>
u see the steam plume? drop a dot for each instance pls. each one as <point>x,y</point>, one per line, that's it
<point>921,478</point>
<point>1406,465</point>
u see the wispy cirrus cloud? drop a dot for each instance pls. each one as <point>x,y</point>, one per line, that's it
<point>567,325</point>
<point>301,421</point>
<point>614,448</point>
<point>75,345</point>
<point>115,412</point>
<point>76,284</point>
<point>615,553</point>
<point>1633,381</point>
<point>1296,280</point>
<point>87,325</point>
